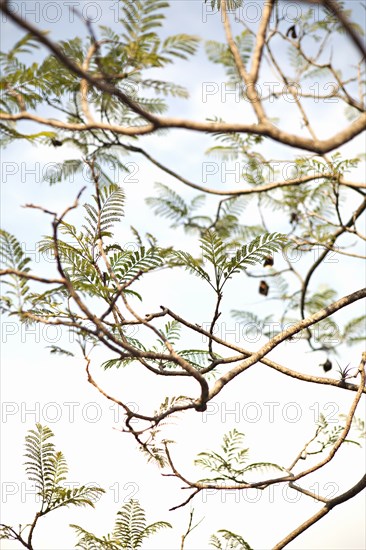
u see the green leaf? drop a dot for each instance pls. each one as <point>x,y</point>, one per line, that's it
<point>131,528</point>
<point>231,4</point>
<point>231,540</point>
<point>213,250</point>
<point>169,204</point>
<point>179,45</point>
<point>129,532</point>
<point>12,256</point>
<point>56,350</point>
<point>230,465</point>
<point>354,330</point>
<point>48,468</point>
<point>220,53</point>
<point>185,259</point>
<point>128,264</point>
<point>108,209</point>
<point>77,496</point>
<point>254,252</point>
<point>89,541</point>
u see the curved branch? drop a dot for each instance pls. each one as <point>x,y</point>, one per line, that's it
<point>291,478</point>
<point>123,130</point>
<point>16,536</point>
<point>238,192</point>
<point>261,129</point>
<point>130,414</point>
<point>346,429</point>
<point>84,85</point>
<point>260,40</point>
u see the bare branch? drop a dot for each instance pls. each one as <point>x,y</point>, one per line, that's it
<point>29,276</point>
<point>347,427</point>
<point>239,192</point>
<point>246,78</point>
<point>297,327</point>
<point>355,490</point>
<point>260,40</point>
<point>260,129</point>
<point>264,360</point>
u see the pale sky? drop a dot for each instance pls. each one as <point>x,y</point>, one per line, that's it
<point>277,414</point>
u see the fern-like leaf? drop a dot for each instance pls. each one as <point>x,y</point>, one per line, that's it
<point>13,257</point>
<point>184,259</point>
<point>107,210</point>
<point>44,464</point>
<point>89,541</point>
<point>213,250</point>
<point>231,4</point>
<point>231,540</point>
<point>254,252</point>
<point>131,528</point>
<point>48,468</point>
<point>168,203</point>
<point>230,465</point>
<point>354,330</point>
<point>127,265</point>
<point>77,496</point>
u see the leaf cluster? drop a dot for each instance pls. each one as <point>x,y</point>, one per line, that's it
<point>129,532</point>
<point>231,463</point>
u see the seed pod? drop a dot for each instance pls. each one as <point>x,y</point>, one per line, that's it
<point>56,142</point>
<point>263,288</point>
<point>327,365</point>
<point>294,218</point>
<point>292,32</point>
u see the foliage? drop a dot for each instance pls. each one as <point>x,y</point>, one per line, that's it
<point>129,532</point>
<point>230,465</point>
<point>47,468</point>
<point>224,265</point>
<point>13,257</point>
<point>231,540</point>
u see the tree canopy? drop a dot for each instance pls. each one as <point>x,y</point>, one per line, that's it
<point>246,257</point>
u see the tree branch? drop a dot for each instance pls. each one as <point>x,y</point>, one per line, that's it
<point>334,7</point>
<point>297,327</point>
<point>330,504</point>
<point>264,127</point>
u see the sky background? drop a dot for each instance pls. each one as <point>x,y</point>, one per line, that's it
<point>53,387</point>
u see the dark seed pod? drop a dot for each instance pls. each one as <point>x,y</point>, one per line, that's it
<point>294,218</point>
<point>56,142</point>
<point>327,366</point>
<point>263,288</point>
<point>268,262</point>
<point>291,31</point>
